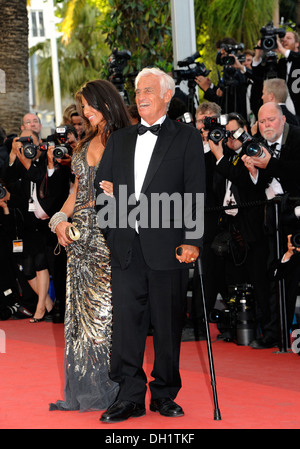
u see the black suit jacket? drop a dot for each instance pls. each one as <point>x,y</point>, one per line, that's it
<point>51,191</point>
<point>287,168</point>
<point>176,167</point>
<point>249,219</point>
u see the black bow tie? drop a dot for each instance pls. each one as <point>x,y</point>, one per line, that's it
<point>142,129</point>
<point>274,150</point>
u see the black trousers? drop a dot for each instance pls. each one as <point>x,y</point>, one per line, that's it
<point>142,296</point>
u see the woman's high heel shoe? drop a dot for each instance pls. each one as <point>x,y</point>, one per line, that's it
<point>37,320</point>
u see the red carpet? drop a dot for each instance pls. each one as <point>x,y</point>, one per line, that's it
<point>257,389</point>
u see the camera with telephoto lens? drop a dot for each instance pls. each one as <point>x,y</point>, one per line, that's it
<point>250,145</point>
<point>228,59</point>
<point>29,149</point>
<point>236,321</point>
<point>2,191</point>
<point>217,127</point>
<point>62,148</point>
<point>269,36</point>
<point>190,73</point>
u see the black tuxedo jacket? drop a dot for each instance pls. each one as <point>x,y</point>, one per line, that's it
<point>287,168</point>
<point>249,219</point>
<point>176,167</point>
<point>51,191</point>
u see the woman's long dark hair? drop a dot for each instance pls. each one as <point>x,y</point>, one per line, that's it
<point>103,96</point>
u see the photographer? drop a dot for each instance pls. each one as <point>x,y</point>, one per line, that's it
<point>17,299</point>
<point>277,171</point>
<point>266,64</point>
<point>212,263</point>
<point>37,187</point>
<point>231,91</point>
<point>71,117</point>
<point>246,257</point>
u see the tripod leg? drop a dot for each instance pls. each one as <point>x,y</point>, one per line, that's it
<point>217,414</point>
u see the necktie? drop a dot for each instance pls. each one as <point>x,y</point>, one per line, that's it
<point>142,129</point>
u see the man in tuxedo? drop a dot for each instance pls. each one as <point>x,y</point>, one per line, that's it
<point>278,173</point>
<point>150,258</point>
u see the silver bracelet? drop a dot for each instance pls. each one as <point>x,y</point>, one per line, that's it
<point>57,218</point>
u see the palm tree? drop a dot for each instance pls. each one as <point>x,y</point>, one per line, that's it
<point>14,92</point>
<point>81,50</point>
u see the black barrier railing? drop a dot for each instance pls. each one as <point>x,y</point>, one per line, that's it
<point>276,202</point>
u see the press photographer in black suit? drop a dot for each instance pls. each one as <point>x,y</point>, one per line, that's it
<point>36,187</point>
<point>247,260</point>
<point>213,285</point>
<point>286,67</point>
<point>278,173</point>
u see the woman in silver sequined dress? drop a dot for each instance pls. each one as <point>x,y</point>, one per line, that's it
<point>88,318</point>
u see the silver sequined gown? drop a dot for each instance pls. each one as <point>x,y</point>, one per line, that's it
<point>88,318</point>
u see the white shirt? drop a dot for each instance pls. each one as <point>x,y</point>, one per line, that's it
<point>274,187</point>
<point>35,205</point>
<point>143,151</point>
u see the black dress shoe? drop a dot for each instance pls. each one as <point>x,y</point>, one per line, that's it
<point>122,410</point>
<point>263,343</point>
<point>166,407</point>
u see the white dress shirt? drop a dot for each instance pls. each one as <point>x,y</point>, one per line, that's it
<point>145,144</point>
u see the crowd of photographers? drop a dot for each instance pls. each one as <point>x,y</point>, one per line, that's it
<point>250,126</point>
<point>35,182</point>
<point>251,135</point>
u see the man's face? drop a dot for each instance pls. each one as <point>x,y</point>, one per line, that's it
<point>200,123</point>
<point>270,122</point>
<point>248,61</point>
<point>31,122</point>
<point>233,144</point>
<point>289,42</point>
<point>151,105</point>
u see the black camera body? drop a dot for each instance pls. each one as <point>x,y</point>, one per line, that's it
<point>62,148</point>
<point>269,35</point>
<point>217,128</point>
<point>29,149</point>
<point>117,63</point>
<point>251,146</point>
<point>2,191</point>
<point>228,59</point>
<point>190,73</point>
<point>295,240</point>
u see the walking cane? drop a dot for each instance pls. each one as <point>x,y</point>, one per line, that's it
<point>217,414</point>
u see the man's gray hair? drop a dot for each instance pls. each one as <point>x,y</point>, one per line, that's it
<point>166,81</point>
